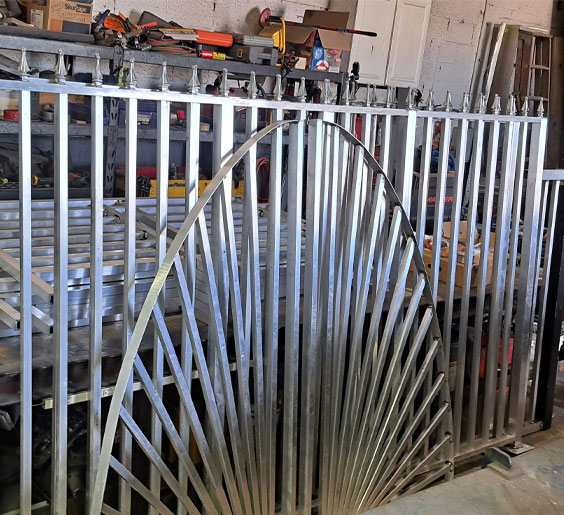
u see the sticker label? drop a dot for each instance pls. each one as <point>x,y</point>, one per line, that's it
<point>36,18</point>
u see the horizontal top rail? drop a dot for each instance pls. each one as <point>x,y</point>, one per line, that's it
<point>79,88</point>
<point>553,175</point>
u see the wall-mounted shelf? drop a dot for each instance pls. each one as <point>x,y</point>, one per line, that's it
<point>15,42</point>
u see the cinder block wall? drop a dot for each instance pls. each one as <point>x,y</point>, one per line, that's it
<point>455,29</point>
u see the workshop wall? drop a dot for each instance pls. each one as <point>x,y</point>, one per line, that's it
<point>455,29</point>
<point>220,15</point>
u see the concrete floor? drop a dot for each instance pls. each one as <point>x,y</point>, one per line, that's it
<point>535,484</point>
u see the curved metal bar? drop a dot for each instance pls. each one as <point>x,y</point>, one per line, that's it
<point>152,297</point>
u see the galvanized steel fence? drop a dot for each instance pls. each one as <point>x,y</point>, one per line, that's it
<point>308,318</point>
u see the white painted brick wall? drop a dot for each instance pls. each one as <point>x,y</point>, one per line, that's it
<point>229,15</point>
<point>454,34</point>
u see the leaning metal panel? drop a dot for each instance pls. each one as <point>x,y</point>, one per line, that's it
<point>363,357</point>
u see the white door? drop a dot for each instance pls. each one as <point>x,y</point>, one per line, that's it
<point>408,42</point>
<point>372,53</point>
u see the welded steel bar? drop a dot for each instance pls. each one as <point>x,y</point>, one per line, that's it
<point>222,148</point>
<point>129,286</point>
<point>424,172</point>
<point>251,298</point>
<point>474,177</point>
<point>491,165</point>
<point>404,175</point>
<point>310,336</point>
<point>26,294</point>
<point>163,158</point>
<point>501,250</point>
<point>462,137</point>
<point>271,307</point>
<point>96,290</point>
<point>155,504</point>
<point>292,326</point>
<point>393,421</point>
<point>535,356</point>
<point>218,338</point>
<point>523,319</point>
<point>60,361</point>
<point>552,208</point>
<point>155,458</point>
<point>510,279</point>
<point>327,306</point>
<point>192,175</point>
<point>444,150</point>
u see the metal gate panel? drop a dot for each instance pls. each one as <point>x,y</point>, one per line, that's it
<point>311,262</point>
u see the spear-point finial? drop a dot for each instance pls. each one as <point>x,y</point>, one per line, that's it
<point>409,98</point>
<point>224,87</point>
<point>496,106</point>
<point>252,89</point>
<point>525,107</point>
<point>194,83</point>
<point>24,68</point>
<point>394,97</point>
<point>448,101</point>
<point>368,94</point>
<point>60,69</point>
<point>131,82</point>
<point>164,78</point>
<point>346,97</point>
<point>540,110</point>
<point>465,106</point>
<point>389,97</point>
<point>511,108</point>
<point>481,108</point>
<point>302,94</point>
<point>326,92</point>
<point>277,91</point>
<point>98,79</point>
<point>430,100</point>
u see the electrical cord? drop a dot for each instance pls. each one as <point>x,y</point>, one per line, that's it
<point>263,168</point>
<point>170,46</point>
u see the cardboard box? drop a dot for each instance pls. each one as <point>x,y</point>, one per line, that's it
<point>323,49</point>
<point>60,15</point>
<point>459,272</point>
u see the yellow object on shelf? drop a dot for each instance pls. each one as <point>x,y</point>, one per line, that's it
<point>177,188</point>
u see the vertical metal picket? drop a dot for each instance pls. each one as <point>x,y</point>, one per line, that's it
<point>26,329</point>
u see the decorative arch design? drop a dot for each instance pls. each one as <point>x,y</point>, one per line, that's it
<point>345,410</point>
